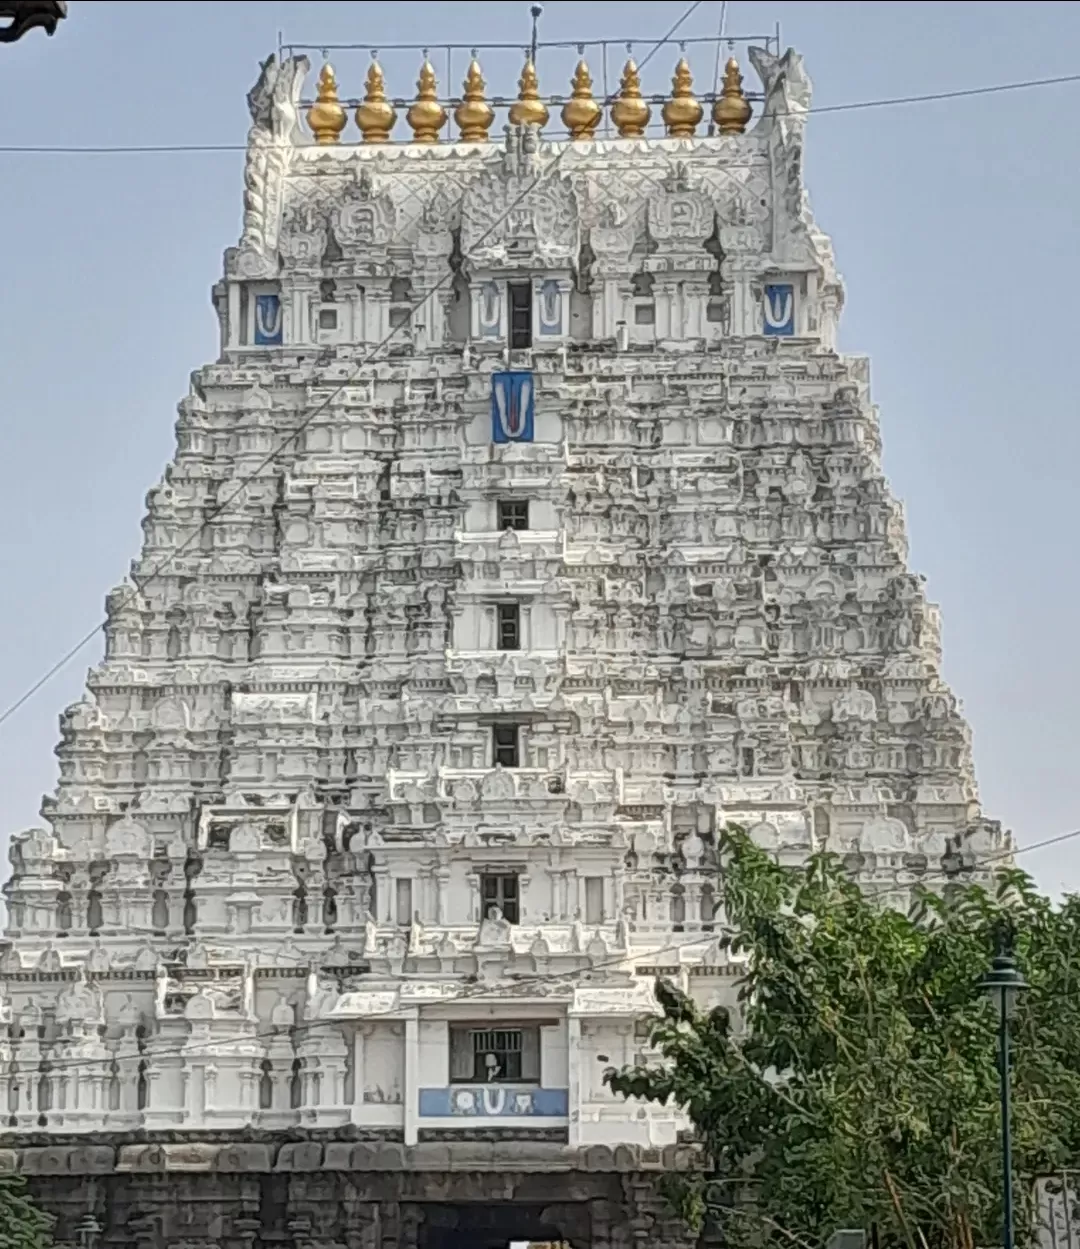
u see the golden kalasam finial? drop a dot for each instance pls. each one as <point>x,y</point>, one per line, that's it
<point>326,117</point>
<point>375,115</point>
<point>427,116</point>
<point>581,114</point>
<point>528,109</point>
<point>474,114</point>
<point>630,113</point>
<point>732,109</point>
<point>683,111</point>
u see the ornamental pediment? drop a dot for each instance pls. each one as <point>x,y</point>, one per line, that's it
<point>362,218</point>
<point>681,218</point>
<point>503,224</point>
<point>304,233</point>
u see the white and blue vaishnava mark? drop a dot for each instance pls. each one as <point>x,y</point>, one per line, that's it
<point>512,407</point>
<point>779,309</point>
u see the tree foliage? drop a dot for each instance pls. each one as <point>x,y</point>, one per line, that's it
<point>857,1083</point>
<point>22,1224</point>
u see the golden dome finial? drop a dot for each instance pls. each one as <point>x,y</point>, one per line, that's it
<point>581,114</point>
<point>474,114</point>
<point>683,111</point>
<point>630,113</point>
<point>427,116</point>
<point>528,109</point>
<point>326,117</point>
<point>732,110</point>
<point>376,115</point>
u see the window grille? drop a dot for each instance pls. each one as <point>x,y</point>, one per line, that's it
<point>505,745</point>
<point>501,891</point>
<point>495,1055</point>
<point>512,514</point>
<point>509,626</point>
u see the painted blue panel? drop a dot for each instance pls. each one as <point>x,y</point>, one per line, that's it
<point>779,309</point>
<point>267,321</point>
<point>512,407</point>
<point>490,309</point>
<point>493,1101</point>
<point>551,308</point>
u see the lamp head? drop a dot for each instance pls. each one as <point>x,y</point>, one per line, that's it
<point>1004,982</point>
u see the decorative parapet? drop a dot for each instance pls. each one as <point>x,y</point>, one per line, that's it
<point>330,1154</point>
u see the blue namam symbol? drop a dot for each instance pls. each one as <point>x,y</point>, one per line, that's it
<point>550,308</point>
<point>779,309</point>
<point>267,321</point>
<point>512,407</point>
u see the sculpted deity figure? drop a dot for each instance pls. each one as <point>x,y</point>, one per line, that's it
<point>693,852</point>
<point>855,704</point>
<point>494,929</point>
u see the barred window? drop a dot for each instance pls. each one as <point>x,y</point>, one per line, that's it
<point>512,514</point>
<point>494,1055</point>
<point>509,624</point>
<point>500,891</point>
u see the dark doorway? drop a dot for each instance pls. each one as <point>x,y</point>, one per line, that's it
<point>486,1226</point>
<point>520,315</point>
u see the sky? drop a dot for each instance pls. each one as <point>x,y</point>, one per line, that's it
<point>954,224</point>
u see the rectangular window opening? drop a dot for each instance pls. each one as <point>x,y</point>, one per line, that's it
<point>500,890</point>
<point>505,741</point>
<point>403,902</point>
<point>508,624</point>
<point>327,318</point>
<point>747,760</point>
<point>494,1055</point>
<point>520,294</point>
<point>644,313</point>
<point>512,514</point>
<point>594,899</point>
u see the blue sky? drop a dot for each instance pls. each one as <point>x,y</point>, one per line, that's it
<point>954,227</point>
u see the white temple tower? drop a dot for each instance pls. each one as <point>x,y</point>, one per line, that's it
<point>528,528</point>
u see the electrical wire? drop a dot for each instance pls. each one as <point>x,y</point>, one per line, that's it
<point>338,389</point>
<point>87,638</point>
<point>625,959</point>
<point>956,877</point>
<point>478,991</point>
<point>897,101</point>
<point>716,67</point>
<point>159,568</point>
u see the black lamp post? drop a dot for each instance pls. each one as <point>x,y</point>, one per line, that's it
<point>1003,984</point>
<point>28,14</point>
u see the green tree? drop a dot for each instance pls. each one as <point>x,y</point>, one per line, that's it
<point>22,1224</point>
<point>857,1082</point>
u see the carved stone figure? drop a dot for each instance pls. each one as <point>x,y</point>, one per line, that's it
<point>494,929</point>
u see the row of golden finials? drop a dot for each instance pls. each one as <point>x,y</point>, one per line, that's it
<point>581,114</point>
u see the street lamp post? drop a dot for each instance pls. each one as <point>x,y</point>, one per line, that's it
<point>1003,984</point>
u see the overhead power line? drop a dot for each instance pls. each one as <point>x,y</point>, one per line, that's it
<point>162,566</point>
<point>625,959</point>
<point>896,101</point>
<point>354,373</point>
<point>66,658</point>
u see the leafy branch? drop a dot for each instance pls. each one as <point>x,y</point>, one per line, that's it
<point>852,1080</point>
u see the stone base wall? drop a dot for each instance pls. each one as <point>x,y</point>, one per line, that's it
<point>348,1194</point>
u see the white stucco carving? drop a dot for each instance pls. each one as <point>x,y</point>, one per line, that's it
<point>431,731</point>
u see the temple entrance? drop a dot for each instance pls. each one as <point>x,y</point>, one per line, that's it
<point>493,1225</point>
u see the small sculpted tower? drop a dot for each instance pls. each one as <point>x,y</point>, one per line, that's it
<point>528,528</point>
